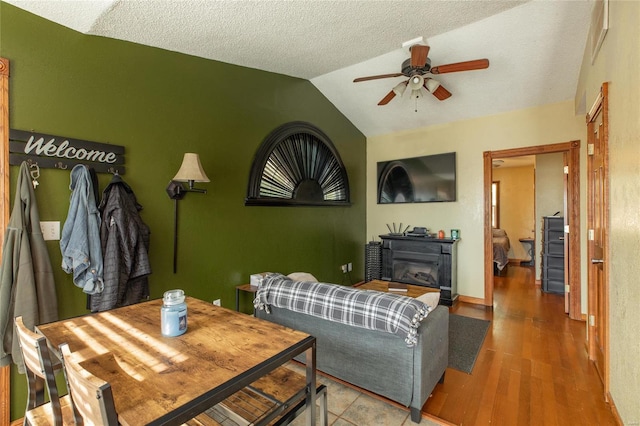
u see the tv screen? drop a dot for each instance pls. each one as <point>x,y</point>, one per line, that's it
<point>427,179</point>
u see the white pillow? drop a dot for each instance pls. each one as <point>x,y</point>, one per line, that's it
<point>430,299</point>
<point>497,232</point>
<point>302,276</point>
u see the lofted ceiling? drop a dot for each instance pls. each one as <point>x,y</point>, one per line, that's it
<point>534,47</point>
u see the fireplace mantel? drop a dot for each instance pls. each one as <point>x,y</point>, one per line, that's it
<point>430,262</point>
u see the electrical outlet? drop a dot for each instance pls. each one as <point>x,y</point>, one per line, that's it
<point>349,267</point>
<point>217,302</point>
<point>50,230</point>
<point>343,268</point>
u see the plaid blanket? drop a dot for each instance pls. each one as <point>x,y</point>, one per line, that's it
<point>372,310</point>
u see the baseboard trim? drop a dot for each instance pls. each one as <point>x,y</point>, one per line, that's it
<point>614,410</point>
<point>472,300</point>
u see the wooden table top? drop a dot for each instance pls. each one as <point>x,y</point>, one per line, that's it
<point>152,375</point>
<point>247,287</point>
<point>379,285</point>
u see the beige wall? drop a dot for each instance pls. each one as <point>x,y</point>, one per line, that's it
<point>619,64</point>
<point>516,206</point>
<point>547,124</point>
<point>549,195</point>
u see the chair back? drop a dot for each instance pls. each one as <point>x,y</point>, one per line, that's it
<point>91,396</point>
<point>39,368</point>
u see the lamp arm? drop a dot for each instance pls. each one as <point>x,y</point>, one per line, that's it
<point>192,189</point>
<point>201,191</point>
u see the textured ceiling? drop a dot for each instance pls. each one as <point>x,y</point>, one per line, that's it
<point>535,47</point>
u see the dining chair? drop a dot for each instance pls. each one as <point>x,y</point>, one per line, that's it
<point>40,369</point>
<point>91,397</point>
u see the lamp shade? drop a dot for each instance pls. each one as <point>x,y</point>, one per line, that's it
<point>431,85</point>
<point>416,82</point>
<point>191,169</point>
<point>400,88</point>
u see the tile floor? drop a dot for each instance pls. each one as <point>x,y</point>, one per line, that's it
<point>347,407</point>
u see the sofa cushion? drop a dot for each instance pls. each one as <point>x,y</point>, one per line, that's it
<point>390,313</point>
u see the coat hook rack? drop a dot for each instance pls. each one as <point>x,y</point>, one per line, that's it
<point>63,153</point>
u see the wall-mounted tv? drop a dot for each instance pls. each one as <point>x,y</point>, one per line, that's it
<point>427,179</point>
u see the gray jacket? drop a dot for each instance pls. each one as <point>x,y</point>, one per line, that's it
<point>125,247</point>
<point>27,285</point>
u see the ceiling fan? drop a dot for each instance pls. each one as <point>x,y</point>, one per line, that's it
<point>416,68</point>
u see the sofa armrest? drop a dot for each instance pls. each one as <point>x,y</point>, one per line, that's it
<point>432,354</point>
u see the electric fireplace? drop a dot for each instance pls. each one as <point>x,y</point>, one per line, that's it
<point>425,261</point>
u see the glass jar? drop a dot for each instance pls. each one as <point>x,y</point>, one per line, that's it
<point>173,314</point>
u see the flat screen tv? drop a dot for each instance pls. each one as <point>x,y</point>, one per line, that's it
<point>427,179</point>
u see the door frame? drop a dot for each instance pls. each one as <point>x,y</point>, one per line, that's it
<point>572,197</point>
<point>5,372</point>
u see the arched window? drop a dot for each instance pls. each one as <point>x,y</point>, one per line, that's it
<point>297,165</point>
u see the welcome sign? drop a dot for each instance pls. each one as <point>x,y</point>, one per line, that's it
<point>60,152</point>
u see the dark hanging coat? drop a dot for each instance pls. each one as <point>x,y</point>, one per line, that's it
<point>125,248</point>
<point>27,285</point>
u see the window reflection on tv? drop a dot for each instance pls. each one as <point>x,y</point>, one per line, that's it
<point>427,179</point>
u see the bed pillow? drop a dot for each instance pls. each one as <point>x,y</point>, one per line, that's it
<point>497,232</point>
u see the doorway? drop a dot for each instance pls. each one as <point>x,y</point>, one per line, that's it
<point>572,150</point>
<point>513,206</point>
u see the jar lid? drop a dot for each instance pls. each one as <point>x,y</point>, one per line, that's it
<point>173,297</point>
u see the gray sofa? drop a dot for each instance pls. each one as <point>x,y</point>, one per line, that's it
<point>375,360</point>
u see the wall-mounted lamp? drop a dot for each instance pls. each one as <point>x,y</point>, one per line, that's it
<point>191,171</point>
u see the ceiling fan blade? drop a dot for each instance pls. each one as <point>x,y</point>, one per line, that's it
<point>376,77</point>
<point>441,93</point>
<point>419,55</point>
<point>387,98</point>
<point>477,64</point>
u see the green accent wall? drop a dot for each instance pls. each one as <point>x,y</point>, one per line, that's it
<point>159,105</point>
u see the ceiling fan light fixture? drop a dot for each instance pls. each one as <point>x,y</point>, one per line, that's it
<point>431,85</point>
<point>416,68</point>
<point>416,82</point>
<point>400,88</point>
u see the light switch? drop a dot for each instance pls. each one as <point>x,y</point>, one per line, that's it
<point>50,230</point>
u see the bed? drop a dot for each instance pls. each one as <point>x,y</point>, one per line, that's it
<point>501,246</point>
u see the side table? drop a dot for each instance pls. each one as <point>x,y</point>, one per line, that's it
<point>529,245</point>
<point>246,288</point>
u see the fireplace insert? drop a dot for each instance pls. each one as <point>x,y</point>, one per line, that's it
<point>415,268</point>
<point>429,262</point>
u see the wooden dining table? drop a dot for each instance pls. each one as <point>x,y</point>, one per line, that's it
<point>159,380</point>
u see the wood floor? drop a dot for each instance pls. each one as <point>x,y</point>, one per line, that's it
<point>532,368</point>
